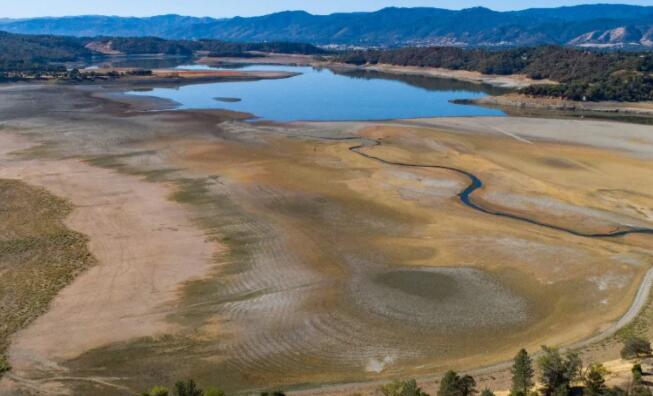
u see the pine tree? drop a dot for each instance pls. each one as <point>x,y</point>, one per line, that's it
<point>557,372</point>
<point>449,385</point>
<point>522,374</point>
<point>187,388</point>
<point>454,385</point>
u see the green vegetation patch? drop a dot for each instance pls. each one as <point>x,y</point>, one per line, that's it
<point>39,256</point>
<point>582,74</point>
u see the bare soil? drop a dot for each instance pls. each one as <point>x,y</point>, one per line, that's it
<point>261,255</point>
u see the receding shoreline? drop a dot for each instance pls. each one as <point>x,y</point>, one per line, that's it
<point>509,82</point>
<point>224,160</point>
<point>530,102</point>
<point>498,81</point>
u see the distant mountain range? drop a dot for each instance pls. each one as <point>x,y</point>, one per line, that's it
<point>601,25</point>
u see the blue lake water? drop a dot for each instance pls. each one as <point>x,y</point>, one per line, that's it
<point>323,95</point>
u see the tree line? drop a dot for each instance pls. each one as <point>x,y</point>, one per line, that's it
<point>154,45</point>
<point>560,374</point>
<point>34,54</point>
<point>581,74</point>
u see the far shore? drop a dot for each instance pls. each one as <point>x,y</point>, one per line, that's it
<point>509,100</point>
<point>265,59</point>
<point>192,76</point>
<point>509,82</point>
<point>514,81</point>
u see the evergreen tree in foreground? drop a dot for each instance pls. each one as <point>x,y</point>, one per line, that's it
<point>454,385</point>
<point>558,371</point>
<point>522,374</point>
<point>188,388</point>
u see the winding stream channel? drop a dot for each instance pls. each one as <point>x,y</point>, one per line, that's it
<point>466,198</point>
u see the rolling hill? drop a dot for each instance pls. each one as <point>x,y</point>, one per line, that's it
<point>602,25</point>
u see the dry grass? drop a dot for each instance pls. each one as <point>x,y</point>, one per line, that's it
<point>38,254</point>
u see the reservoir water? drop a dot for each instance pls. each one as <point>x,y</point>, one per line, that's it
<point>324,95</point>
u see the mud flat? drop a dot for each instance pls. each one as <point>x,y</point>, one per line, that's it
<point>258,255</point>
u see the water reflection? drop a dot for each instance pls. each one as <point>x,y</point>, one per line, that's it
<point>326,95</point>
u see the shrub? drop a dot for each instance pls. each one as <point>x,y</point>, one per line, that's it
<point>487,392</point>
<point>4,365</point>
<point>595,381</point>
<point>637,373</point>
<point>640,390</point>
<point>213,391</point>
<point>402,388</point>
<point>635,347</point>
<point>158,391</point>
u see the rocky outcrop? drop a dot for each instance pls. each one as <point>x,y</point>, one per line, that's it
<point>102,47</point>
<point>620,37</point>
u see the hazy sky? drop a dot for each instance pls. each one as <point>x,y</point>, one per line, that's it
<point>227,8</point>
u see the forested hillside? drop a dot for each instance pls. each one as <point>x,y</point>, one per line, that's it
<point>24,52</point>
<point>39,52</point>
<point>583,74</point>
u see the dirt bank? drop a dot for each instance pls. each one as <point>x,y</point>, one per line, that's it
<point>515,81</point>
<point>526,102</point>
<point>510,82</point>
<point>269,59</point>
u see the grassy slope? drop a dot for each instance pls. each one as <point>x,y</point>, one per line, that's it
<point>38,254</point>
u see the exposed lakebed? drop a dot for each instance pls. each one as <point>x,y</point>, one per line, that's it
<point>324,95</point>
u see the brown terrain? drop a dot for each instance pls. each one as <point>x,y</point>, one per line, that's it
<point>179,76</point>
<point>523,101</point>
<point>257,255</point>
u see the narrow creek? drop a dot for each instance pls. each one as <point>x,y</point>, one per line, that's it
<point>475,183</point>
